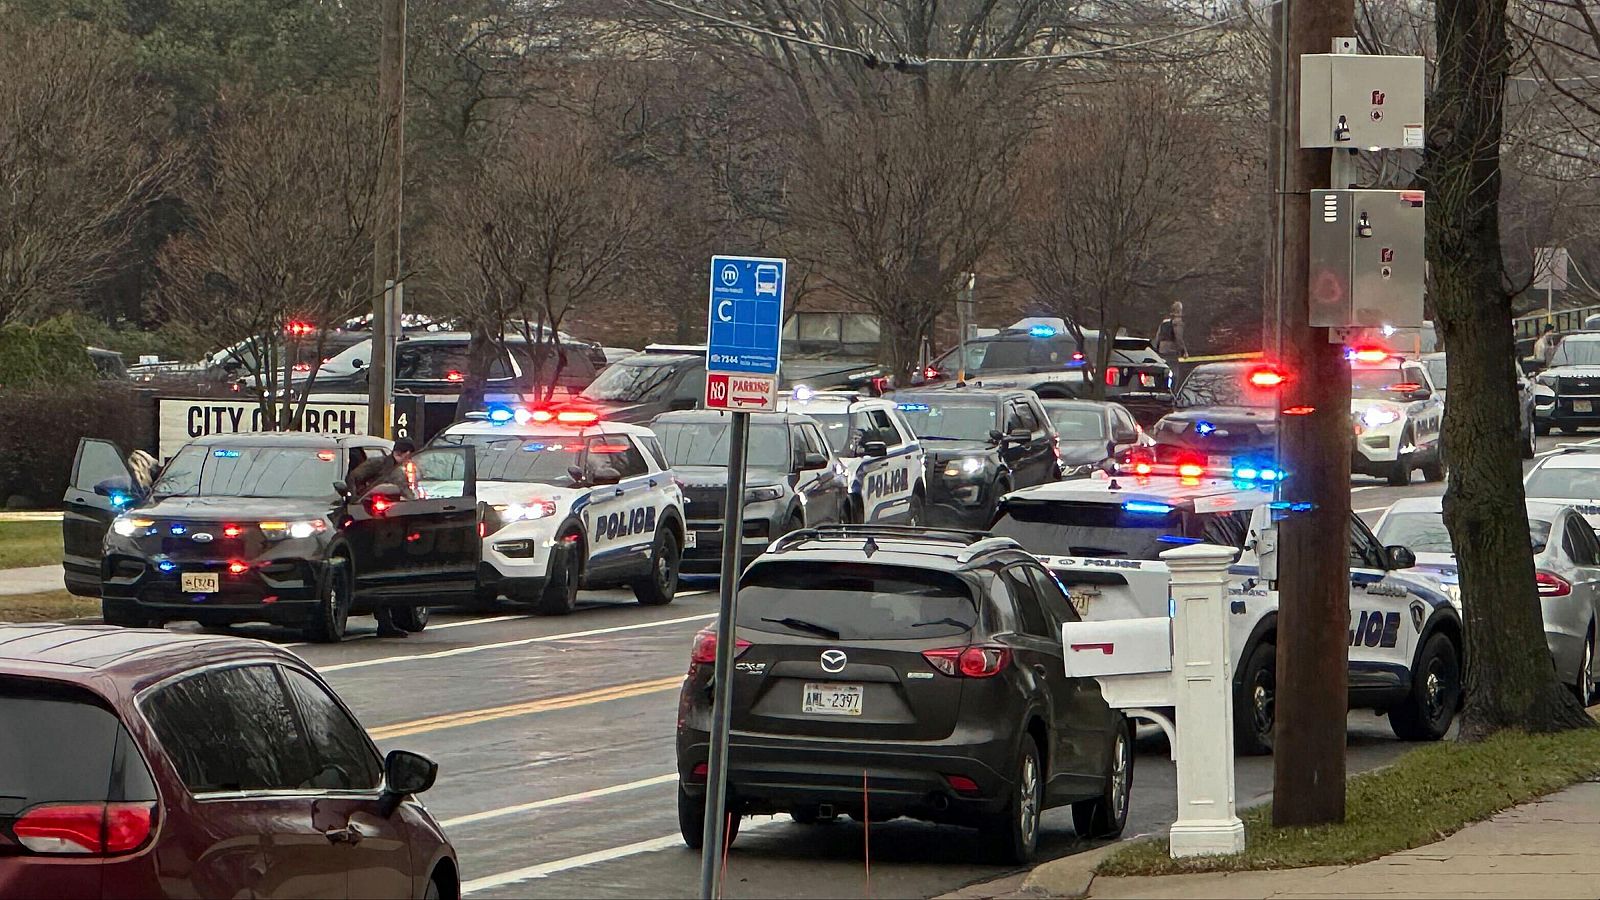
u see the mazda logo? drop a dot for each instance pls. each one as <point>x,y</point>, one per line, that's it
<point>202,537</point>
<point>833,660</point>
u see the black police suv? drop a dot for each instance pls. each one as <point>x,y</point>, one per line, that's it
<point>1048,360</point>
<point>980,443</point>
<point>886,671</point>
<point>792,480</point>
<point>1221,414</point>
<point>263,528</point>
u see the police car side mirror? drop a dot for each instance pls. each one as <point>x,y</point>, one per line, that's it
<point>1019,435</point>
<point>1401,557</point>
<point>342,488</point>
<point>996,435</point>
<point>875,449</point>
<point>813,461</point>
<point>358,363</point>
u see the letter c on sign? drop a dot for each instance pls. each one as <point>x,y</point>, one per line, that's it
<point>723,315</point>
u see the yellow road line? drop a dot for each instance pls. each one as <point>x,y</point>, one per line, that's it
<point>528,708</point>
<point>1221,357</point>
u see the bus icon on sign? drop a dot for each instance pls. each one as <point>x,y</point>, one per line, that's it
<point>766,280</point>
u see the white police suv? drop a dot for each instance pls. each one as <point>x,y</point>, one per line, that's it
<point>1102,537</point>
<point>1397,416</point>
<point>575,501</point>
<point>879,450</point>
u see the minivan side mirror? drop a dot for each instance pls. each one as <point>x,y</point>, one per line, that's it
<point>1401,557</point>
<point>405,773</point>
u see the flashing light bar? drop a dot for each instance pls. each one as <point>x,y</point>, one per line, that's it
<point>1267,378</point>
<point>1146,507</point>
<point>1041,331</point>
<point>1367,355</point>
<point>912,407</point>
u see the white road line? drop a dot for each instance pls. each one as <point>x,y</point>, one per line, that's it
<point>500,645</point>
<point>668,778</point>
<point>543,870</point>
<point>1373,509</point>
<point>1554,450</point>
<point>463,622</point>
<point>1365,487</point>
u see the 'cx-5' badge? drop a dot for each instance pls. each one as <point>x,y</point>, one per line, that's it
<point>833,660</point>
<point>201,537</point>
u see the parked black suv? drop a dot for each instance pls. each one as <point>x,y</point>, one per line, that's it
<point>980,443</point>
<point>890,671</point>
<point>263,528</point>
<point>1221,413</point>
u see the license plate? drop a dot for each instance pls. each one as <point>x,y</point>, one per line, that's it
<point>832,699</point>
<point>200,582</point>
<point>1583,406</point>
<point>689,539</point>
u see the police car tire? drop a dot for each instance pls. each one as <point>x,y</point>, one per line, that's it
<point>916,513</point>
<point>692,821</point>
<point>1434,472</point>
<point>1412,720</point>
<point>410,619</point>
<point>560,595</point>
<point>123,614</point>
<point>1569,429</point>
<point>1541,429</point>
<point>1527,443</point>
<point>1105,816</point>
<point>1247,737</point>
<point>332,613</point>
<point>649,590</point>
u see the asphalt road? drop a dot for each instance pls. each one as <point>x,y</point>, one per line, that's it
<point>554,738</point>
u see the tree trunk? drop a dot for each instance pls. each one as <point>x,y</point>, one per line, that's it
<point>1509,680</point>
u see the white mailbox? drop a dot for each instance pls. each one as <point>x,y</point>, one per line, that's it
<point>1149,666</point>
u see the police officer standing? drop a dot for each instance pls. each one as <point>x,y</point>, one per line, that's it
<point>389,468</point>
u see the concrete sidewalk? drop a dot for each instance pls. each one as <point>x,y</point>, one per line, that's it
<point>31,580</point>
<point>30,516</point>
<point>1547,848</point>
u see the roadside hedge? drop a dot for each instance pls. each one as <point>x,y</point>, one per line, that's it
<point>37,356</point>
<point>40,427</point>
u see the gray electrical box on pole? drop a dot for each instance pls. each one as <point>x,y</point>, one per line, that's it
<point>1367,263</point>
<point>1364,102</point>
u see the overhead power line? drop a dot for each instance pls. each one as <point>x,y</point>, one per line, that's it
<point>904,62</point>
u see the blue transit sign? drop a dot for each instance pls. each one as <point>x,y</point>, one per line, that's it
<point>746,314</point>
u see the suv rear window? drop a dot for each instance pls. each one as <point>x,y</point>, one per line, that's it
<point>58,744</point>
<point>855,601</point>
<point>1103,529</point>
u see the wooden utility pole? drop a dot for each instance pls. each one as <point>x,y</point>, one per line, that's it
<point>386,230</point>
<point>1314,436</point>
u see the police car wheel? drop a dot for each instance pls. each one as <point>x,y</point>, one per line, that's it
<point>1107,815</point>
<point>914,512</point>
<point>411,619</point>
<point>1569,429</point>
<point>1426,713</point>
<point>1527,443</point>
<point>1541,428</point>
<point>332,612</point>
<point>1434,472</point>
<point>1400,470</point>
<point>658,588</point>
<point>1255,702</point>
<point>560,596</point>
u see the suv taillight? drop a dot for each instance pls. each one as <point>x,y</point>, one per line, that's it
<point>93,829</point>
<point>976,661</point>
<point>704,651</point>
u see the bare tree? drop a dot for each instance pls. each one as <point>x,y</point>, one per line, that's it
<point>83,148</point>
<point>282,236</point>
<point>539,231</point>
<point>1508,685</point>
<point>1116,198</point>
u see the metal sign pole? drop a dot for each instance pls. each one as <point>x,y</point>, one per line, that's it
<point>721,711</point>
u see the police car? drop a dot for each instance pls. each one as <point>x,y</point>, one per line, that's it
<point>1102,537</point>
<point>1570,477</point>
<point>1397,417</point>
<point>879,451</point>
<point>575,501</point>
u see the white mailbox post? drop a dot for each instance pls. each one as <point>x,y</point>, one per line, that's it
<point>1145,666</point>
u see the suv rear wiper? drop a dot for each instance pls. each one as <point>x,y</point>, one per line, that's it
<point>944,621</point>
<point>803,625</point>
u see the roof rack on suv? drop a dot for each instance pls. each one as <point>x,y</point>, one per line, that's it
<point>975,542</point>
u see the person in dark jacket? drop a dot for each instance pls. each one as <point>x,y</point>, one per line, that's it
<point>389,468</point>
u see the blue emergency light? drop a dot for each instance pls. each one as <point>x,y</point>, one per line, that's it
<point>501,414</point>
<point>177,528</point>
<point>166,565</point>
<point>1145,507</point>
<point>120,500</point>
<point>225,454</point>
<point>1041,331</point>
<point>1204,428</point>
<point>912,407</point>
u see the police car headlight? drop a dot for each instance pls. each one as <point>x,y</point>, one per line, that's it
<point>522,512</point>
<point>277,531</point>
<point>1379,416</point>
<point>127,526</point>
<point>762,494</point>
<point>971,465</point>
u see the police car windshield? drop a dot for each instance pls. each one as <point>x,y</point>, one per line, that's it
<point>1575,351</point>
<point>837,428</point>
<point>1377,383</point>
<point>1437,371</point>
<point>631,383</point>
<point>535,460</point>
<point>1077,424</point>
<point>1222,387</point>
<point>245,471</point>
<point>1563,483</point>
<point>950,418</point>
<point>706,444</point>
<point>1103,529</point>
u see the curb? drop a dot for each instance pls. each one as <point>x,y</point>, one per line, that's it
<point>1069,876</point>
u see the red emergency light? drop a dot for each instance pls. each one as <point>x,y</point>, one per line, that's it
<point>1267,378</point>
<point>1369,355</point>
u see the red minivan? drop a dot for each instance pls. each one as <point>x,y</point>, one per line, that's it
<point>143,763</point>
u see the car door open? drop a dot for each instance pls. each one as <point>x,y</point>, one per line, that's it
<point>102,487</point>
<point>419,542</point>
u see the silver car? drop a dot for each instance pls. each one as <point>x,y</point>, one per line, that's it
<point>1566,560</point>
